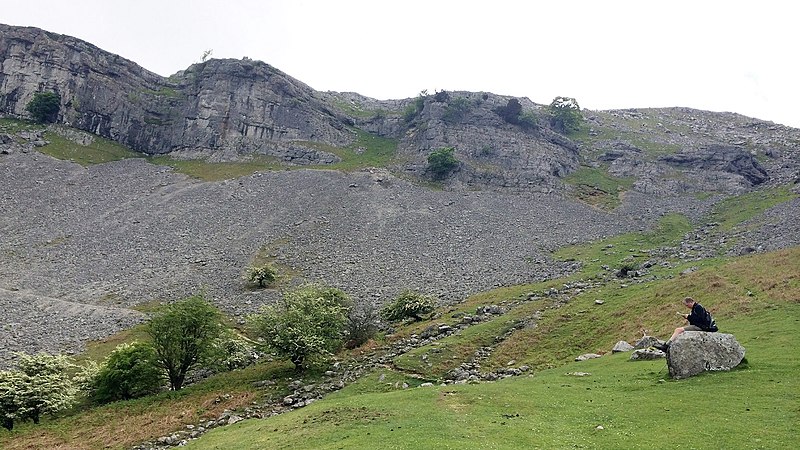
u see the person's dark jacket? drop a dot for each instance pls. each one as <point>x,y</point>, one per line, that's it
<point>702,318</point>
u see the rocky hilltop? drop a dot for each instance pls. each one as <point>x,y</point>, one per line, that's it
<point>80,246</point>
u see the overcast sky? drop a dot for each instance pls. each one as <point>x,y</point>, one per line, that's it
<point>739,56</point>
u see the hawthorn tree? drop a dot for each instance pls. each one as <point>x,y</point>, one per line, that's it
<point>40,385</point>
<point>308,323</point>
<point>263,275</point>
<point>184,334</point>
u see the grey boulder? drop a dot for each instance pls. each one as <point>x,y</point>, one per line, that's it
<point>694,352</point>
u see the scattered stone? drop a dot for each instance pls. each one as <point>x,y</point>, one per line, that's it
<point>621,346</point>
<point>648,341</point>
<point>587,356</point>
<point>598,302</point>
<point>579,374</point>
<point>646,354</point>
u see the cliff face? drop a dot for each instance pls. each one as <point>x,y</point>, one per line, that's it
<point>223,109</point>
<point>217,105</point>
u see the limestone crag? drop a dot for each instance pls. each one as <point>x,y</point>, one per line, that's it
<point>225,105</point>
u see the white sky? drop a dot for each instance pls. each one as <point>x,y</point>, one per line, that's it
<point>739,56</point>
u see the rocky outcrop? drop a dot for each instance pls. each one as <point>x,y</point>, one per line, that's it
<point>720,159</point>
<point>694,352</point>
<point>233,106</point>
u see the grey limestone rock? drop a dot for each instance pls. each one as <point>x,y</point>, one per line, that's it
<point>621,346</point>
<point>694,352</point>
<point>646,354</point>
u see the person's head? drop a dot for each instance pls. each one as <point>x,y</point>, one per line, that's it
<point>688,302</point>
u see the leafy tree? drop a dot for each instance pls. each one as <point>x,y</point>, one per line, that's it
<point>306,324</point>
<point>264,275</point>
<point>41,385</point>
<point>184,334</point>
<point>130,371</point>
<point>565,114</point>
<point>44,107</point>
<point>442,161</point>
<point>408,305</point>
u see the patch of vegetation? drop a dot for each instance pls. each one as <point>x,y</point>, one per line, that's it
<point>98,152</point>
<point>263,275</point>
<point>596,187</point>
<point>735,210</point>
<point>442,161</point>
<point>208,171</point>
<point>368,150</point>
<point>12,126</point>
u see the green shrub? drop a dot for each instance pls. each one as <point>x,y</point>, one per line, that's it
<point>263,275</point>
<point>408,305</point>
<point>442,161</point>
<point>184,335</point>
<point>306,325</point>
<point>565,114</point>
<point>510,112</point>
<point>235,353</point>
<point>44,107</point>
<point>130,371</point>
<point>456,110</point>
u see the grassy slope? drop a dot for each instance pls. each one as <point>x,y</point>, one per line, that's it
<point>752,407</point>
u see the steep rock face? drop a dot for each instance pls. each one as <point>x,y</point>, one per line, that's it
<point>230,105</point>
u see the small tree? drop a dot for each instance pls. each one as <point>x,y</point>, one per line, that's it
<point>408,305</point>
<point>183,335</point>
<point>130,371</point>
<point>264,275</point>
<point>442,161</point>
<point>41,385</point>
<point>565,114</point>
<point>44,107</point>
<point>306,324</point>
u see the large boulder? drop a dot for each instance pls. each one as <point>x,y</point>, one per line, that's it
<point>694,352</point>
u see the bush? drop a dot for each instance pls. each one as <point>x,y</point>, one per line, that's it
<point>442,161</point>
<point>44,107</point>
<point>130,371</point>
<point>565,114</point>
<point>235,353</point>
<point>184,334</point>
<point>408,305</point>
<point>362,324</point>
<point>306,325</point>
<point>41,385</point>
<point>263,275</point>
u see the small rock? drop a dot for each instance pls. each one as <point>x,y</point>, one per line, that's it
<point>587,356</point>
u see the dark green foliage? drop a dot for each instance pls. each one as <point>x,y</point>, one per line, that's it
<point>565,114</point>
<point>307,324</point>
<point>442,161</point>
<point>130,371</point>
<point>184,334</point>
<point>510,112</point>
<point>263,275</point>
<point>44,107</point>
<point>627,270</point>
<point>408,305</point>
